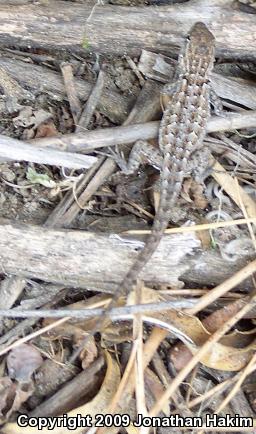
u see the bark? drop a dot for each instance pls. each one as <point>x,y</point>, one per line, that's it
<point>117,30</point>
<point>40,79</point>
<point>99,261</point>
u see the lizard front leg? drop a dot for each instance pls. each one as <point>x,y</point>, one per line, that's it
<point>142,153</point>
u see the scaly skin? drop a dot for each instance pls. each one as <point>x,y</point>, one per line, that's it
<point>182,130</point>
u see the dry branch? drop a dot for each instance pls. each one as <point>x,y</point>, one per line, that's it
<point>71,392</point>
<point>73,26</point>
<point>90,140</point>
<point>40,79</point>
<point>17,150</point>
<point>85,259</point>
<point>162,68</point>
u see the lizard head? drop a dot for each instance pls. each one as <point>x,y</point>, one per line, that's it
<point>200,45</point>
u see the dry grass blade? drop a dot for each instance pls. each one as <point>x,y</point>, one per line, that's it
<point>238,384</point>
<point>139,368</point>
<point>202,227</point>
<point>230,186</point>
<point>34,335</point>
<point>219,388</point>
<point>204,349</point>
<point>223,288</point>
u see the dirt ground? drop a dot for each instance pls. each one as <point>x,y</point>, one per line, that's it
<point>50,368</point>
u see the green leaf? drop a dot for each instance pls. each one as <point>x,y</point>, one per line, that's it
<point>39,178</point>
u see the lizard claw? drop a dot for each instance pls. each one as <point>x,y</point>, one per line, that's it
<point>119,159</point>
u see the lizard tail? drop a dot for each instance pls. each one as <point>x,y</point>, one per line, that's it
<point>161,221</point>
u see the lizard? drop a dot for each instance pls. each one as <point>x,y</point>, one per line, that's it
<point>181,133</point>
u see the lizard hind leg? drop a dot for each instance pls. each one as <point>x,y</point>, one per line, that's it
<point>142,153</point>
<point>199,166</point>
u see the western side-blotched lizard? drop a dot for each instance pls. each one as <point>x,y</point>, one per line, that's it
<point>182,130</point>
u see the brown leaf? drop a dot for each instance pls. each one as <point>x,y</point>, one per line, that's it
<point>231,353</point>
<point>12,396</point>
<point>194,334</point>
<point>89,353</point>
<point>21,395</point>
<point>7,393</point>
<point>98,404</point>
<point>31,118</point>
<point>22,361</point>
<point>47,130</point>
<point>200,200</point>
<point>154,384</point>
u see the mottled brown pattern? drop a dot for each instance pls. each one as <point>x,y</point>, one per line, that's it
<point>182,130</point>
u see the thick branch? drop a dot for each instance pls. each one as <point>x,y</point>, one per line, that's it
<point>93,261</point>
<point>118,30</point>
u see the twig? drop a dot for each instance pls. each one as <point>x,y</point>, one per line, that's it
<point>116,313</point>
<point>224,287</point>
<point>33,335</point>
<point>68,208</point>
<point>70,391</point>
<point>131,133</point>
<point>74,103</point>
<point>221,387</point>
<point>135,69</point>
<point>202,227</point>
<point>91,104</point>
<point>238,384</point>
<point>17,150</point>
<point>198,356</point>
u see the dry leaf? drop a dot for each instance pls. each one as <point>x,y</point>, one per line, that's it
<point>221,356</point>
<point>193,334</point>
<point>156,387</point>
<point>89,353</point>
<point>216,319</point>
<point>98,404</point>
<point>22,393</point>
<point>227,358</point>
<point>22,361</point>
<point>46,130</point>
<point>12,396</point>
<point>186,190</point>
<point>204,237</point>
<point>7,394</point>
<point>197,191</point>
<point>231,353</point>
<point>31,118</point>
